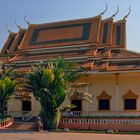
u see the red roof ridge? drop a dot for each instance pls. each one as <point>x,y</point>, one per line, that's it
<point>64,21</point>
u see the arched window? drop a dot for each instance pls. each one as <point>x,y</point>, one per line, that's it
<point>104,101</point>
<point>130,100</point>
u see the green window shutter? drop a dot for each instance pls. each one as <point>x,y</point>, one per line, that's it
<point>118,35</point>
<point>105,32</point>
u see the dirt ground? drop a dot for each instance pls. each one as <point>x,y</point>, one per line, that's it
<point>30,135</point>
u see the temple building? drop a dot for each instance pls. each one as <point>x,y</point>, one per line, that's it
<point>98,45</point>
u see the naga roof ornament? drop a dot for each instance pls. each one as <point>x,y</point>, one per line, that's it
<point>17,25</point>
<point>115,12</point>
<point>26,20</point>
<point>7,28</point>
<point>125,17</point>
<point>104,10</point>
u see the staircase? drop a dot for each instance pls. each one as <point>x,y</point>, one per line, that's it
<point>23,126</point>
<point>22,121</point>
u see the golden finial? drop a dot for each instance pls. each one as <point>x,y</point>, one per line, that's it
<point>104,10</point>
<point>26,20</point>
<point>8,29</point>
<point>125,17</point>
<point>17,25</point>
<point>115,12</point>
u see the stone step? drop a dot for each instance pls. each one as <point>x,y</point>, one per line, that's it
<point>23,126</point>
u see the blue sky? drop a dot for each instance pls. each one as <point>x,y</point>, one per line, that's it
<point>44,11</point>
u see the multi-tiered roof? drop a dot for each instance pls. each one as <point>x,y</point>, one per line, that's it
<point>96,44</point>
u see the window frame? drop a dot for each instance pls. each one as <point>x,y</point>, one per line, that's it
<point>125,104</point>
<point>103,109</point>
<point>81,104</point>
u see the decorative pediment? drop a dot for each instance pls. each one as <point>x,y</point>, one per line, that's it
<point>130,95</point>
<point>73,97</point>
<point>104,95</point>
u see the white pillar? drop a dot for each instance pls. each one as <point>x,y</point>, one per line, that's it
<point>117,94</point>
<point>32,100</point>
<point>87,101</point>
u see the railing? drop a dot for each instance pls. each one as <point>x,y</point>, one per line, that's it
<point>114,124</point>
<point>18,113</point>
<point>6,123</point>
<point>99,121</point>
<point>101,113</point>
<point>27,116</point>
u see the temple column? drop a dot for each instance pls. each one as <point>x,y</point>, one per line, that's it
<point>86,79</point>
<point>117,93</point>
<point>86,101</point>
<point>32,102</point>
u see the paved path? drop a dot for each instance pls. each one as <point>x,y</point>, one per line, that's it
<point>30,135</point>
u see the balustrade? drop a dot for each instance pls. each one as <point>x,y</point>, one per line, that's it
<point>101,113</point>
<point>99,121</point>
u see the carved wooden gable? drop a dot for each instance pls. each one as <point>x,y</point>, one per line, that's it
<point>104,95</point>
<point>130,95</point>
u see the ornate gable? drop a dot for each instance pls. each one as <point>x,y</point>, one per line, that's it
<point>104,95</point>
<point>8,44</point>
<point>63,33</point>
<point>130,95</point>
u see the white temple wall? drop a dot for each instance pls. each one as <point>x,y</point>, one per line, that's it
<point>99,83</point>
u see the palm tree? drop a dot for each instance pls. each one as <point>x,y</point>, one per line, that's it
<point>7,87</point>
<point>48,82</point>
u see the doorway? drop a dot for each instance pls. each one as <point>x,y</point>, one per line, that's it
<point>26,105</point>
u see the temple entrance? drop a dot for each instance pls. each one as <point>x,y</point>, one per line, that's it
<point>78,104</point>
<point>26,105</point>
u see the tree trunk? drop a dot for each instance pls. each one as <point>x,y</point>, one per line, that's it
<point>52,120</point>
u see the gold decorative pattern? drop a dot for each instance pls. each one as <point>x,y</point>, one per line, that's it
<point>104,95</point>
<point>130,95</point>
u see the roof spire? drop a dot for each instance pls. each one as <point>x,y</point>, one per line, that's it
<point>104,10</point>
<point>8,29</point>
<point>116,12</point>
<point>125,17</point>
<point>26,20</point>
<point>17,25</point>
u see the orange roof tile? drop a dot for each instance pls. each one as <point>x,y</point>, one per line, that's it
<point>110,55</point>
